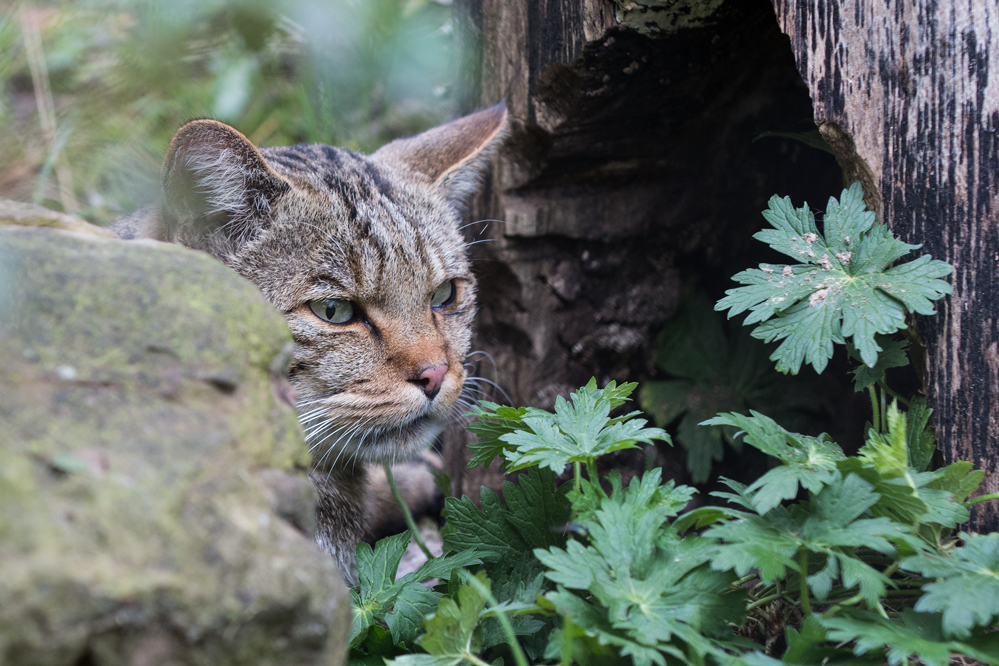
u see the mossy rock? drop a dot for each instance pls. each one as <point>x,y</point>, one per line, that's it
<point>154,507</point>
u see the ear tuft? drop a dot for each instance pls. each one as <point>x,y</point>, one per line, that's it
<point>455,155</point>
<point>217,187</point>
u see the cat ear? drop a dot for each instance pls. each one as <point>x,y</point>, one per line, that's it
<point>455,155</point>
<point>217,187</point>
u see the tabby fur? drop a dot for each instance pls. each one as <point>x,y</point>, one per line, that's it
<point>312,222</point>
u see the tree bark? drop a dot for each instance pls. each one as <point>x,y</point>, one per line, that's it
<point>632,174</point>
<point>908,95</point>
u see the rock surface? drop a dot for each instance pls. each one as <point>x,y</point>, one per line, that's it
<point>154,508</point>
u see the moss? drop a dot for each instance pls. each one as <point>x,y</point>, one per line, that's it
<point>137,423</point>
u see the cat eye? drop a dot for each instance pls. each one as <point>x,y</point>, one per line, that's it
<point>444,295</point>
<point>333,310</point>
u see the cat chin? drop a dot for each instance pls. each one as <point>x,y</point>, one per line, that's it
<point>402,446</point>
<point>392,445</point>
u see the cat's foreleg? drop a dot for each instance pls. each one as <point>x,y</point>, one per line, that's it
<point>341,515</point>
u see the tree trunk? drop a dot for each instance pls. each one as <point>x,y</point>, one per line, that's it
<point>632,173</point>
<point>908,95</point>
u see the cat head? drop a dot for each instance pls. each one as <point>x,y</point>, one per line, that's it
<point>362,254</point>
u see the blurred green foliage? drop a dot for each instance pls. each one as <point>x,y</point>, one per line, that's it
<point>125,74</point>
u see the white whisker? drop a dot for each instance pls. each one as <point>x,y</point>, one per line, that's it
<point>496,386</point>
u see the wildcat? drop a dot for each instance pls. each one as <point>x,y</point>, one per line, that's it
<point>364,256</point>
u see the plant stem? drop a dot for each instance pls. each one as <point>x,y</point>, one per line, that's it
<point>765,600</point>
<point>511,637</point>
<point>875,416</point>
<point>896,396</point>
<point>475,660</point>
<point>892,569</point>
<point>884,412</point>
<point>806,604</point>
<point>832,610</point>
<point>981,498</point>
<point>576,474</point>
<point>763,591</point>
<point>407,516</point>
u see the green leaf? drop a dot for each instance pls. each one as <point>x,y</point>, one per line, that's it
<point>909,499</point>
<point>484,530</point>
<point>808,461</point>
<point>523,625</point>
<point>917,634</point>
<point>533,518</point>
<point>491,422</point>
<point>919,437</point>
<point>579,431</point>
<point>666,400</point>
<point>376,647</point>
<point>449,637</point>
<point>401,603</point>
<point>645,493</point>
<point>694,345</point>
<point>888,453</point>
<point>654,591</point>
<point>701,517</point>
<point>843,289</point>
<point>859,574</point>
<point>441,567</point>
<point>704,444</point>
<point>892,356</point>
<point>907,495</point>
<point>376,568</point>
<point>594,622</point>
<point>715,371</point>
<point>751,541</point>
<point>406,619</point>
<point>830,524</point>
<point>958,479</point>
<point>362,619</point>
<point>967,589</point>
<point>821,583</point>
<point>842,502</point>
<point>537,510</point>
<point>809,646</point>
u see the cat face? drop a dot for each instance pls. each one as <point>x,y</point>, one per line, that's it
<point>365,258</point>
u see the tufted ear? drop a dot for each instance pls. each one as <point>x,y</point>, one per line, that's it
<point>217,188</point>
<point>453,155</point>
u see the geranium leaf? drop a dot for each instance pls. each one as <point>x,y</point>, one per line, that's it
<point>844,285</point>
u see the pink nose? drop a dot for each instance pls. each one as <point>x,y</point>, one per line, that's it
<point>431,378</point>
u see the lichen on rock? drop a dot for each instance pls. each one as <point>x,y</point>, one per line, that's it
<point>155,507</point>
<point>660,17</point>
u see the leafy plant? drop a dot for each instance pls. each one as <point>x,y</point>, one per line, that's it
<point>845,288</point>
<point>855,558</point>
<point>716,370</point>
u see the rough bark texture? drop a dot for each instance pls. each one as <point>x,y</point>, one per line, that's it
<point>632,173</point>
<point>912,90</point>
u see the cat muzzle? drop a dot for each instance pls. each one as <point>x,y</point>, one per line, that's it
<point>430,379</point>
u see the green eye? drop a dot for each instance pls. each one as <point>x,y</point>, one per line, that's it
<point>333,310</point>
<point>444,295</point>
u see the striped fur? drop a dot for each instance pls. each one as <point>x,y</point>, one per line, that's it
<point>311,222</point>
